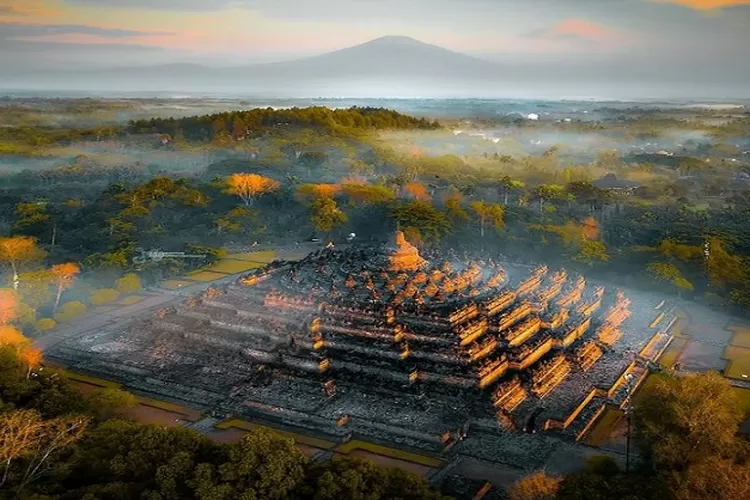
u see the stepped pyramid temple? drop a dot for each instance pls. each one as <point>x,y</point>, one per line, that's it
<point>449,355</point>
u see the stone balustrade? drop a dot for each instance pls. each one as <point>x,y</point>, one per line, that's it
<point>549,375</point>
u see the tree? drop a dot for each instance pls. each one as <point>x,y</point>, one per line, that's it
<point>669,273</point>
<point>713,479</point>
<point>56,434</point>
<point>366,194</point>
<point>32,358</point>
<point>20,433</point>
<point>17,250</point>
<point>70,310</point>
<point>417,191</point>
<point>682,421</point>
<point>508,186</point>
<point>109,402</point>
<point>313,159</point>
<point>8,306</point>
<point>537,486</point>
<point>130,283</point>
<point>13,339</point>
<point>349,478</point>
<point>486,212</point>
<point>250,186</point>
<point>591,251</point>
<point>722,267</point>
<point>546,193</point>
<point>307,192</point>
<point>64,275</point>
<point>326,215</point>
<point>452,202</point>
<point>431,222</point>
<point>31,217</point>
<point>260,465</point>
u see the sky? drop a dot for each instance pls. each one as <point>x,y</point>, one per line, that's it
<point>681,39</point>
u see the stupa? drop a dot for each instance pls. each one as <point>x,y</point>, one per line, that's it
<point>402,255</point>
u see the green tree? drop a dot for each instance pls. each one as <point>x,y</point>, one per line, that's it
<point>488,213</point>
<point>669,273</point>
<point>683,421</point>
<point>431,222</point>
<point>326,215</point>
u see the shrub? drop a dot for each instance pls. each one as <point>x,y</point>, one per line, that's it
<point>70,311</point>
<point>130,283</point>
<point>45,324</point>
<point>26,315</point>
<point>104,296</point>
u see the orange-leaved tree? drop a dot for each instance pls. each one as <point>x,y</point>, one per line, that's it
<point>13,339</point>
<point>250,186</point>
<point>8,306</point>
<point>32,358</point>
<point>309,192</point>
<point>63,276</point>
<point>16,250</point>
<point>417,191</point>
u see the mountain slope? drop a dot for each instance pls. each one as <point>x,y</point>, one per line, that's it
<point>384,66</point>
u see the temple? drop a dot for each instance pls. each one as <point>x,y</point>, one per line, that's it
<point>392,346</point>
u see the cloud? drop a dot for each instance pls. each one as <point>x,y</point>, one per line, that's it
<point>182,5</point>
<point>21,31</point>
<point>707,4</point>
<point>578,30</point>
<point>23,8</point>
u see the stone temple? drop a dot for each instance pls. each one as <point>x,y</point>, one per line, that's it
<point>387,345</point>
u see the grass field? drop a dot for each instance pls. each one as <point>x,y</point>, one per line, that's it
<point>741,336</point>
<point>744,396</point>
<point>205,276</point>
<point>234,266</point>
<point>738,362</point>
<point>247,426</point>
<point>99,382</point>
<point>129,301</point>
<point>406,456</point>
<point>604,427</point>
<point>672,354</point>
<point>263,257</point>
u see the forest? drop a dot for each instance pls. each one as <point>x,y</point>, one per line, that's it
<point>80,198</point>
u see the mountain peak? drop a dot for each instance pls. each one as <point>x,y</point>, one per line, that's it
<point>395,40</point>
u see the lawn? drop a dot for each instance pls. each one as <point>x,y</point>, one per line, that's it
<point>738,362</point>
<point>744,396</point>
<point>234,423</point>
<point>741,336</point>
<point>406,456</point>
<point>234,266</point>
<point>205,276</point>
<point>604,427</point>
<point>672,354</point>
<point>99,382</point>
<point>263,257</point>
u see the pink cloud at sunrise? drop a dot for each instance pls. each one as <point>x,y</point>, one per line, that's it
<point>584,29</point>
<point>708,4</point>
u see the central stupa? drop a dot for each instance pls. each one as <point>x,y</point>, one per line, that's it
<point>402,255</point>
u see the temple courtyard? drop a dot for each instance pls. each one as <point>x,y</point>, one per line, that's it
<point>486,360</point>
